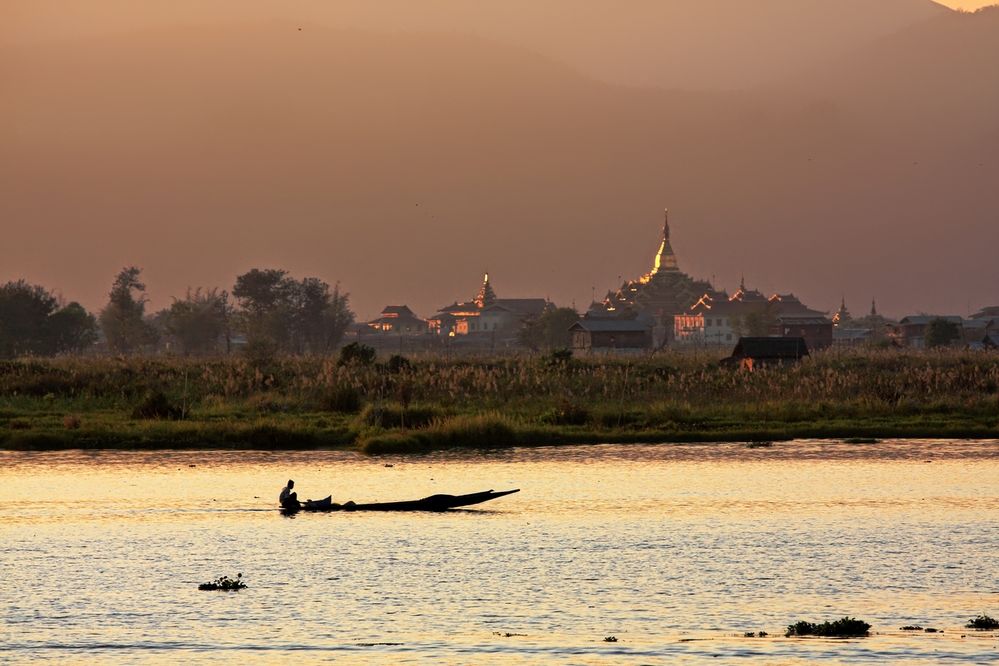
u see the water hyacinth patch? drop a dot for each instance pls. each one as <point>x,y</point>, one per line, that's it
<point>225,584</point>
<point>846,627</point>
<point>983,623</point>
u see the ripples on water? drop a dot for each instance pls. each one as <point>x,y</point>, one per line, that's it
<point>675,550</point>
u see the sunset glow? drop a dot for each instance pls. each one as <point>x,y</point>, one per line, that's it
<point>359,331</point>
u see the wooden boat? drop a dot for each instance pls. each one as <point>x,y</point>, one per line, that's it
<point>432,503</point>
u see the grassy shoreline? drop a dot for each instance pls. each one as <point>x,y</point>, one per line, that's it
<point>432,403</point>
<point>276,438</point>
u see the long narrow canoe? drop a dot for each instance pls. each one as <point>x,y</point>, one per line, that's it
<point>432,503</point>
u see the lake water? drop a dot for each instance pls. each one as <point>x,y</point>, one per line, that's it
<point>674,550</point>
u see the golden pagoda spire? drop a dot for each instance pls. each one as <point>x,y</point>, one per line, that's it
<point>665,258</point>
<point>486,295</point>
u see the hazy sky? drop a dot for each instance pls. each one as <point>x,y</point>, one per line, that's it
<point>404,165</point>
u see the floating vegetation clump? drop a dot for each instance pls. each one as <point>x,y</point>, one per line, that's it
<point>759,445</point>
<point>755,634</point>
<point>846,627</point>
<point>983,623</point>
<point>225,584</point>
<point>911,627</point>
<point>610,639</point>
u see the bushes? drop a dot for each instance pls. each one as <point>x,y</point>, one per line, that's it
<point>342,399</point>
<point>482,431</point>
<point>397,364</point>
<point>395,416</point>
<point>566,413</point>
<point>356,354</point>
<point>155,405</point>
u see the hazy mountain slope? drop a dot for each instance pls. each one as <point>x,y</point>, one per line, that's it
<point>939,73</point>
<point>406,165</point>
<point>698,44</point>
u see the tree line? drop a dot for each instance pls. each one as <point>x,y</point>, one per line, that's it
<point>267,312</point>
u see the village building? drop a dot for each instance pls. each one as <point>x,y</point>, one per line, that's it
<point>991,312</point>
<point>795,320</point>
<point>912,329</point>
<point>718,319</point>
<point>399,320</point>
<point>754,352</point>
<point>612,335</point>
<point>982,329</point>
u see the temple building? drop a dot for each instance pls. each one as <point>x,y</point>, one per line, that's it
<point>719,319</point>
<point>486,314</point>
<point>869,329</point>
<point>657,296</point>
<point>842,317</point>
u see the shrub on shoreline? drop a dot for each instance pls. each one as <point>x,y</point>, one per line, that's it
<point>156,405</point>
<point>481,431</point>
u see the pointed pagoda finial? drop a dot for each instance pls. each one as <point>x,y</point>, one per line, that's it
<point>842,303</point>
<point>665,259</point>
<point>742,282</point>
<point>874,308</point>
<point>486,295</point>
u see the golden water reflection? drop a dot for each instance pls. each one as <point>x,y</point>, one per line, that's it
<point>657,545</point>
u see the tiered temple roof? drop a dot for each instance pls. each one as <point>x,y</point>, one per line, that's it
<point>664,291</point>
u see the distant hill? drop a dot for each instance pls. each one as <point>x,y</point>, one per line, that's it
<point>693,44</point>
<point>407,164</point>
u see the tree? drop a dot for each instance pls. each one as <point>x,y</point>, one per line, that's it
<point>940,333</point>
<point>199,322</point>
<point>549,330</point>
<point>337,318</point>
<point>24,313</point>
<point>31,322</point>
<point>282,313</point>
<point>123,318</point>
<point>265,300</point>
<point>73,329</point>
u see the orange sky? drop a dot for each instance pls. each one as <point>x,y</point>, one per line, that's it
<point>197,142</point>
<point>967,4</point>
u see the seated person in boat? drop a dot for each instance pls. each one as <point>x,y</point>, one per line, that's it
<point>289,498</point>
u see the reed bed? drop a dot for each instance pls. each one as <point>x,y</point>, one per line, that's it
<point>317,401</point>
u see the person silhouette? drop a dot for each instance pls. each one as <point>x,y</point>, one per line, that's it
<point>289,498</point>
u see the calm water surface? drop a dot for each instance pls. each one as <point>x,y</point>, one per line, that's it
<point>675,550</point>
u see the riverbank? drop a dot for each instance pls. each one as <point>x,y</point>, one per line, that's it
<point>428,404</point>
